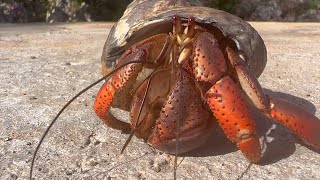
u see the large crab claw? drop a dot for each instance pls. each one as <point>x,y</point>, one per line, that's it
<point>125,81</point>
<point>301,122</point>
<point>226,100</point>
<point>224,97</point>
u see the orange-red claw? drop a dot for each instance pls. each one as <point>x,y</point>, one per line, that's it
<point>102,107</point>
<point>226,102</point>
<point>117,92</point>
<point>303,123</point>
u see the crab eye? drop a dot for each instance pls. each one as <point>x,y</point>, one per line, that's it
<point>191,20</point>
<point>175,19</point>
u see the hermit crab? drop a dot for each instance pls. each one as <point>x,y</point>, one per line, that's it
<point>179,69</point>
<point>185,68</point>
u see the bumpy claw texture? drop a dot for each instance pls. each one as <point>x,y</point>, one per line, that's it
<point>301,122</point>
<point>183,117</point>
<point>124,82</point>
<point>102,105</point>
<point>226,102</point>
<point>208,62</point>
<point>119,86</point>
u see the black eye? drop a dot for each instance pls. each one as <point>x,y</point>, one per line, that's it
<point>191,20</point>
<point>175,18</point>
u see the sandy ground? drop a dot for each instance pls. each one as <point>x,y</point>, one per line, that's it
<point>43,66</point>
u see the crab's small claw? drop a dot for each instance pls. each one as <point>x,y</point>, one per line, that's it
<point>102,107</point>
<point>117,91</point>
<point>303,123</point>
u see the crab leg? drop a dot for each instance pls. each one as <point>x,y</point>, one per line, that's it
<point>108,92</point>
<point>115,91</point>
<point>301,122</point>
<point>224,97</point>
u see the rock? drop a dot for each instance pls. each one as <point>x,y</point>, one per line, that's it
<point>292,8</point>
<point>267,11</point>
<point>82,13</point>
<point>274,10</point>
<point>60,11</point>
<point>245,8</point>
<point>13,12</point>
<point>310,15</point>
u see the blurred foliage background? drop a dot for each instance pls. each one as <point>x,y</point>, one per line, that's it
<point>111,10</point>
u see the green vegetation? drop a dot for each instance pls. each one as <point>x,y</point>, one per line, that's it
<point>314,4</point>
<point>104,10</point>
<point>225,5</point>
<point>36,9</point>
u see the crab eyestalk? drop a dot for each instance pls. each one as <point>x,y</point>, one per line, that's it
<point>177,25</point>
<point>190,30</point>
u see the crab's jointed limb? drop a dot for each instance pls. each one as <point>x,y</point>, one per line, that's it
<point>301,122</point>
<point>224,97</point>
<point>122,84</point>
<point>226,100</point>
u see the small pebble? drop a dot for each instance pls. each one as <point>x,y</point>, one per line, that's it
<point>13,177</point>
<point>8,139</point>
<point>96,143</point>
<point>33,98</point>
<point>93,163</point>
<point>69,172</point>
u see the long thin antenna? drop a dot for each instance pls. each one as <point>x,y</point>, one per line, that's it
<point>69,102</point>
<point>140,109</point>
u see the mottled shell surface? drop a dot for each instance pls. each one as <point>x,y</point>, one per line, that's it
<point>145,18</point>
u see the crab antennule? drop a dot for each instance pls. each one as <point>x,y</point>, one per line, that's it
<point>301,122</point>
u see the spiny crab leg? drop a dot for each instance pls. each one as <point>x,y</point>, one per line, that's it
<point>301,122</point>
<point>122,82</point>
<point>108,91</point>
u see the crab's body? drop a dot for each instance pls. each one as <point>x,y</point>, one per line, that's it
<point>191,67</point>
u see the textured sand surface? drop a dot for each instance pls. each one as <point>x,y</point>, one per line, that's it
<point>43,66</point>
